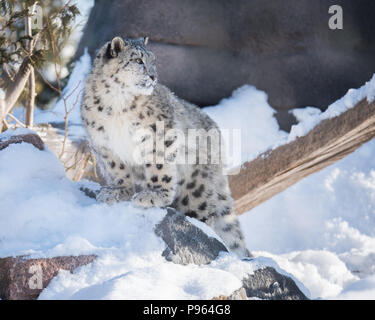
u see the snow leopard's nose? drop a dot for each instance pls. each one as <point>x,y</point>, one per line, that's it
<point>152,78</point>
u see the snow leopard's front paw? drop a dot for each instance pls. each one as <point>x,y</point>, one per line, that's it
<point>149,198</point>
<point>111,195</point>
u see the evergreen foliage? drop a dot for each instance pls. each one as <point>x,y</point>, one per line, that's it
<point>57,24</point>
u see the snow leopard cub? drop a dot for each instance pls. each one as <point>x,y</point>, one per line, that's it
<point>123,98</point>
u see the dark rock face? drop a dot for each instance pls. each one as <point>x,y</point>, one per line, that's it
<point>24,279</point>
<point>207,48</point>
<point>186,244</point>
<point>268,284</point>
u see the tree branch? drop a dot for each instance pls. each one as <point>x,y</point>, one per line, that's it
<point>16,87</point>
<point>30,105</point>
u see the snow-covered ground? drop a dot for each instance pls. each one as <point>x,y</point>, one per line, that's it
<point>321,230</point>
<point>44,214</point>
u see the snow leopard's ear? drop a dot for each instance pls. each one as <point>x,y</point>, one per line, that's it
<point>145,41</point>
<point>114,47</point>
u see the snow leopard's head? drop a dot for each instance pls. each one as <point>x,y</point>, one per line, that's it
<point>130,65</point>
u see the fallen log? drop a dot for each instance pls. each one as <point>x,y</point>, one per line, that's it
<point>274,171</point>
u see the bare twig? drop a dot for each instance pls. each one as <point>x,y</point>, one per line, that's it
<point>71,93</point>
<point>65,101</point>
<point>66,117</point>
<point>64,98</point>
<point>16,120</point>
<point>49,83</point>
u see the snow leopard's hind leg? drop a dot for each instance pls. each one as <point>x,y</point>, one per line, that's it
<point>227,227</point>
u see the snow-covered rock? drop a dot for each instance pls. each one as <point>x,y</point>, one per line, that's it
<point>141,254</point>
<point>20,136</point>
<point>185,242</point>
<point>24,279</point>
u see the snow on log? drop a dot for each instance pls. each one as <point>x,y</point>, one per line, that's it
<point>274,171</point>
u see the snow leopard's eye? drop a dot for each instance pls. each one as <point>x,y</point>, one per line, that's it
<point>139,61</point>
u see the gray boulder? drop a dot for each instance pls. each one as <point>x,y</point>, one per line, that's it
<point>268,284</point>
<point>186,243</point>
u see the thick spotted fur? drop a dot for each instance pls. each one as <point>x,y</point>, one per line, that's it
<point>122,96</point>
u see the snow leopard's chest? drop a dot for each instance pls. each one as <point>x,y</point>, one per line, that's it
<point>118,131</point>
<point>120,137</point>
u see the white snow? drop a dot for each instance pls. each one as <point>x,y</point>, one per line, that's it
<point>44,214</point>
<point>130,277</point>
<point>352,97</point>
<point>322,230</point>
<point>360,290</point>
<point>247,110</point>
